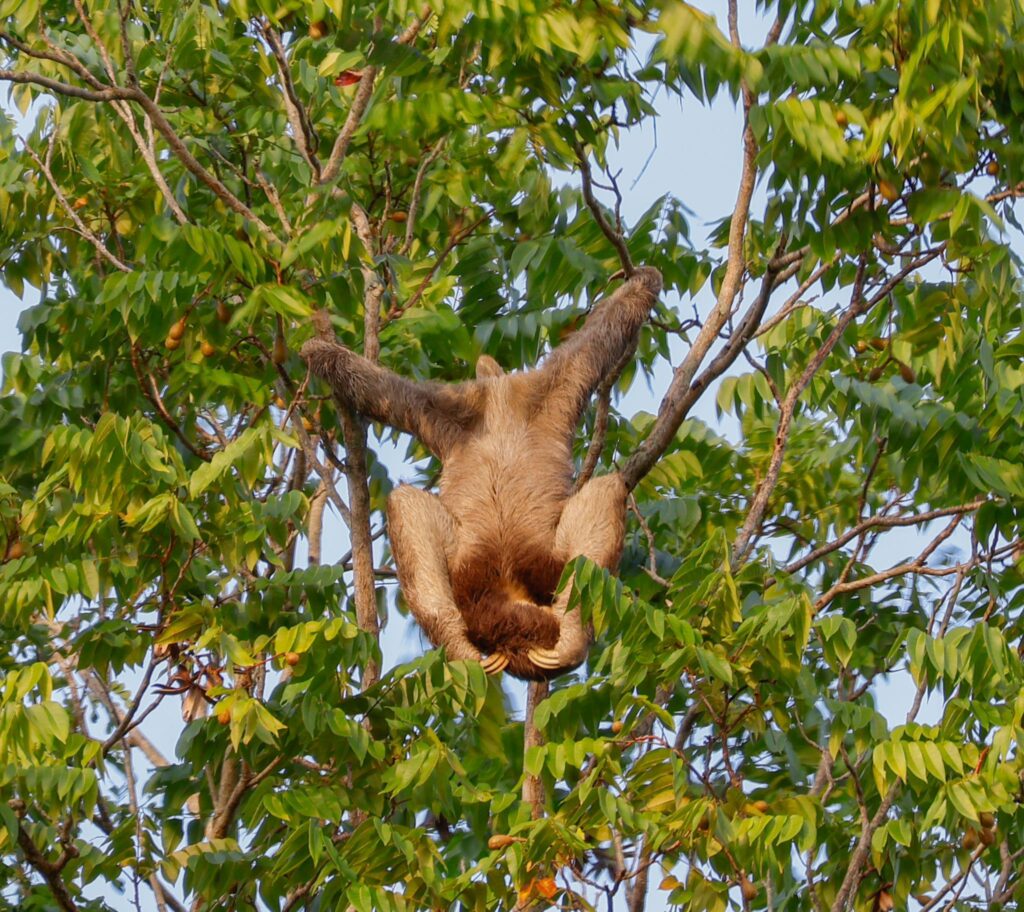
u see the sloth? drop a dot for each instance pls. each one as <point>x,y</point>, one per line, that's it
<point>479,562</point>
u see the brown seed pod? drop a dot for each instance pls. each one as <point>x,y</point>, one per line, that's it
<point>280,403</point>
<point>884,902</point>
<point>546,887</point>
<point>841,119</point>
<point>80,203</point>
<point>224,717</point>
<point>748,888</point>
<point>208,349</point>
<point>992,168</point>
<point>987,819</point>
<point>292,658</point>
<point>280,350</point>
<point>987,837</point>
<point>171,343</point>
<point>889,190</point>
<point>15,549</point>
<point>970,840</point>
<point>318,29</point>
<point>616,727</point>
<point>861,346</point>
<point>502,841</point>
<point>399,216</point>
<point>907,372</point>
<point>177,330</point>
<point>223,312</point>
<point>761,806</point>
<point>878,344</point>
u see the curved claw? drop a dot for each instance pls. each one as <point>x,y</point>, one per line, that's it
<point>494,663</point>
<point>545,658</point>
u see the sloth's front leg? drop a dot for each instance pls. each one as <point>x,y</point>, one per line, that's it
<point>423,536</point>
<point>593,523</point>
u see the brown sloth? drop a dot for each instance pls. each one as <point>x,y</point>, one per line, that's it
<point>479,562</point>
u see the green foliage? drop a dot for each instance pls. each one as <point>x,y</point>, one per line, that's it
<point>177,213</point>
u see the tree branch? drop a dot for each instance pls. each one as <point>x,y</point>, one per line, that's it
<point>86,232</point>
<point>744,541</point>
<point>149,389</point>
<point>860,852</point>
<point>417,189</point>
<point>453,242</point>
<point>49,870</point>
<point>302,130</point>
<point>615,237</point>
<point>533,787</point>
<point>859,305</point>
<point>881,522</point>
<point>360,101</point>
<point>674,405</point>
<point>915,566</point>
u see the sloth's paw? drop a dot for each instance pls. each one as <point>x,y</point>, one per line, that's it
<point>495,663</point>
<point>546,659</point>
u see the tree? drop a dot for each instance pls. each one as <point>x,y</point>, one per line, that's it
<point>205,183</point>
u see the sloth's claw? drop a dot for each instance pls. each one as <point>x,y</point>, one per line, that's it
<point>545,658</point>
<point>494,663</point>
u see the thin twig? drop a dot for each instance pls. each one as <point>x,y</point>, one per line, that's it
<point>453,242</point>
<point>615,237</point>
<point>149,389</point>
<point>883,522</point>
<point>302,130</point>
<point>84,229</point>
<point>417,189</point>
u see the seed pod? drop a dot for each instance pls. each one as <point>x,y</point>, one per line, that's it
<point>177,330</point>
<point>208,349</point>
<point>223,312</point>
<point>546,887</point>
<point>889,190</point>
<point>987,819</point>
<point>748,888</point>
<point>502,841</point>
<point>280,351</point>
<point>170,343</point>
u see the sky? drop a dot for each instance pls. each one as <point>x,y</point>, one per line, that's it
<point>693,154</point>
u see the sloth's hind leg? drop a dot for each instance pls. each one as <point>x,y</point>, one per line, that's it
<point>422,534</point>
<point>592,524</point>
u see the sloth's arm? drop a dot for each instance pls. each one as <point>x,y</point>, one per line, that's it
<point>573,370</point>
<point>435,413</point>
